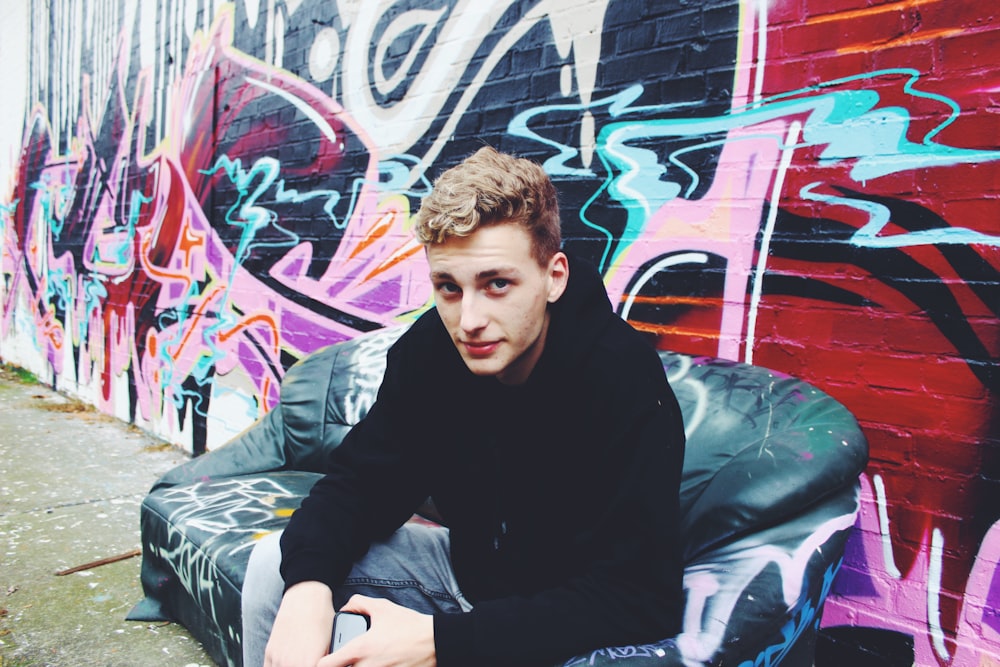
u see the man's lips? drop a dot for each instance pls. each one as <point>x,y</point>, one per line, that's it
<point>480,348</point>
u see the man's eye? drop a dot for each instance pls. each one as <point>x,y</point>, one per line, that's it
<point>448,288</point>
<point>499,283</point>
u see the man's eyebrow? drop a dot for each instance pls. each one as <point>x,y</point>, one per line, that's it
<point>493,273</point>
<point>482,275</point>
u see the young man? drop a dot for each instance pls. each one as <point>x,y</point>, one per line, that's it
<point>543,428</point>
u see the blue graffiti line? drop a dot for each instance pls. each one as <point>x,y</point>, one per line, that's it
<point>54,200</point>
<point>166,362</point>
<point>95,295</point>
<point>247,214</point>
<point>122,249</point>
<point>394,176</point>
<point>8,211</point>
<point>845,123</point>
<point>208,353</point>
<point>59,290</point>
<point>806,617</point>
<point>879,217</point>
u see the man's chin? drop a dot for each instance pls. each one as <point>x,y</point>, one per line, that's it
<point>483,367</point>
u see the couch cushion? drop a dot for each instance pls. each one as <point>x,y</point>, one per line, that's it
<point>196,542</point>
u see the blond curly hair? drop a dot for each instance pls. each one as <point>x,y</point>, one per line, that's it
<point>488,188</point>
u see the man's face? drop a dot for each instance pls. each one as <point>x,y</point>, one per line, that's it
<point>493,298</point>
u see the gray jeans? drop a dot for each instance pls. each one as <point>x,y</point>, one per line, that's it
<point>412,568</point>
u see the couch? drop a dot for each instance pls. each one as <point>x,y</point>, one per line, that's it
<point>769,496</point>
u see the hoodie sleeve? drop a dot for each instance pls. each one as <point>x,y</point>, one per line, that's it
<point>372,486</point>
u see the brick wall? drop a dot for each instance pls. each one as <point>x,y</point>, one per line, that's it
<point>197,197</point>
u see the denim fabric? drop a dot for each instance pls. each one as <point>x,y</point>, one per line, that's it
<point>412,568</point>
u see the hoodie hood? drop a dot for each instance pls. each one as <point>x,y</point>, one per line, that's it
<point>580,315</point>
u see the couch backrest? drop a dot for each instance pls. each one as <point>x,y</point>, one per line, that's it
<point>762,447</point>
<point>329,391</point>
<point>322,396</point>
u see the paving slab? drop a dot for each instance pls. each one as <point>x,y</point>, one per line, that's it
<point>71,481</point>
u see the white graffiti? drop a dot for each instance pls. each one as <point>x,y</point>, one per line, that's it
<point>221,509</point>
<point>369,358</point>
<point>451,66</point>
<point>715,585</point>
<point>692,389</point>
<point>240,505</point>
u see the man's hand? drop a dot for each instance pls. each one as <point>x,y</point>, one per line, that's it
<point>302,628</point>
<point>398,637</point>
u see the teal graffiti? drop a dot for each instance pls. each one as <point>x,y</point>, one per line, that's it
<point>54,200</point>
<point>208,353</point>
<point>58,289</point>
<point>94,295</point>
<point>868,236</point>
<point>7,212</point>
<point>248,214</point>
<point>846,123</point>
<point>121,251</point>
<point>395,176</point>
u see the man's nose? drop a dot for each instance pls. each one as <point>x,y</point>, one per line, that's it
<point>473,313</point>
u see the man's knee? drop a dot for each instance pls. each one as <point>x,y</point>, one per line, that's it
<point>262,591</point>
<point>263,582</point>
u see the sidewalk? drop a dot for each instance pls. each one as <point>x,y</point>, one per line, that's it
<point>71,481</point>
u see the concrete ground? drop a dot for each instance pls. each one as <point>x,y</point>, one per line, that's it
<point>71,481</point>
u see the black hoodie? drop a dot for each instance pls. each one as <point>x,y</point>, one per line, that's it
<point>561,493</point>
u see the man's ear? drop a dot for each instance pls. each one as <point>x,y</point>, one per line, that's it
<point>558,276</point>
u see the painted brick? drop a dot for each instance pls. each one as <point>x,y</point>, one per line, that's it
<point>939,453</point>
<point>889,445</point>
<point>832,9</point>
<point>950,377</point>
<point>906,336</point>
<point>909,411</point>
<point>919,56</point>
<point>637,37</point>
<point>716,20</point>
<point>967,50</point>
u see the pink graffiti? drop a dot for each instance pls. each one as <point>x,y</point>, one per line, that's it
<point>150,247</point>
<point>878,586</point>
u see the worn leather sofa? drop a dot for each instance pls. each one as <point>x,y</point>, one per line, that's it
<point>769,496</point>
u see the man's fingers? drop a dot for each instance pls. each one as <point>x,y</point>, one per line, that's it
<point>345,656</point>
<point>362,604</point>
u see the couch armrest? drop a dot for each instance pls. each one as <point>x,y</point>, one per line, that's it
<point>761,448</point>
<point>254,450</point>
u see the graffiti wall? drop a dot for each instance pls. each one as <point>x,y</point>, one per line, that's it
<point>204,192</point>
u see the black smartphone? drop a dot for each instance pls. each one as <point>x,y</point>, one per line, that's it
<point>347,626</point>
